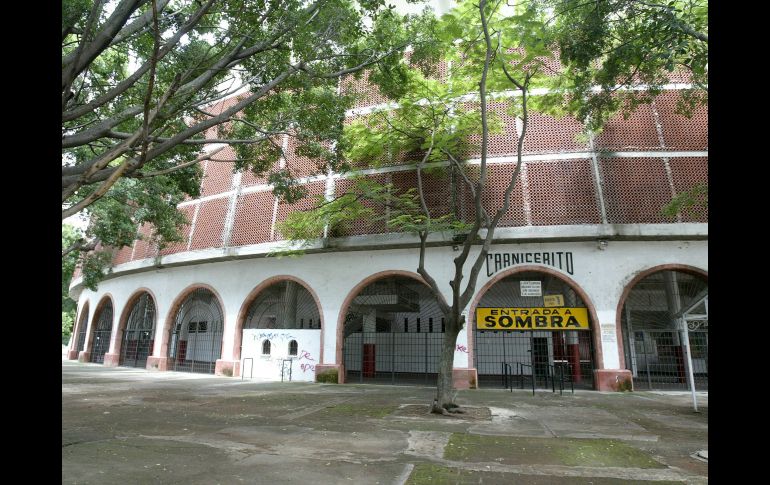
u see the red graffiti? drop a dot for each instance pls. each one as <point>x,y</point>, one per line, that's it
<point>305,355</point>
<point>306,367</point>
<point>462,348</point>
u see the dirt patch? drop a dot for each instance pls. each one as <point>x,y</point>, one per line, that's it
<point>423,411</point>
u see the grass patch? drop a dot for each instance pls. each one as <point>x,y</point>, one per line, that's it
<point>546,451</point>
<point>429,474</point>
<point>328,377</point>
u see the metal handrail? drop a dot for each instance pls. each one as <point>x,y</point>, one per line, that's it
<point>283,367</point>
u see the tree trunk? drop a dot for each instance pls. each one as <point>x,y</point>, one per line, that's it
<point>444,385</point>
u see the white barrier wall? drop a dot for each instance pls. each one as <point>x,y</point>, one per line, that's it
<point>269,367</point>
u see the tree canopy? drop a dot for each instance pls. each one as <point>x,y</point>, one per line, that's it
<point>614,44</point>
<point>139,78</point>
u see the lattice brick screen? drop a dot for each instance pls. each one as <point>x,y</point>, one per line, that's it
<point>284,209</point>
<point>680,132</point>
<point>253,219</point>
<point>637,133</point>
<point>209,225</point>
<point>366,225</point>
<point>181,246</point>
<point>562,192</point>
<point>687,173</point>
<point>635,189</point>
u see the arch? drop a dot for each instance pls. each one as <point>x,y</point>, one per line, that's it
<point>81,323</point>
<point>199,328</point>
<point>340,334</point>
<point>123,322</point>
<point>106,299</point>
<point>254,294</point>
<point>595,333</point>
<point>127,311</point>
<point>162,349</point>
<point>639,276</point>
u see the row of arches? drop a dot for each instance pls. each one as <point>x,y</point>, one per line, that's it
<point>390,328</point>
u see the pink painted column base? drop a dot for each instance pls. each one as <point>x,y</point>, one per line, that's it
<point>465,378</point>
<point>72,355</point>
<point>157,363</point>
<point>228,368</point>
<point>617,380</point>
<point>84,357</point>
<point>111,360</point>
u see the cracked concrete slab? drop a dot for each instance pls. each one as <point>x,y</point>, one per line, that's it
<point>134,426</point>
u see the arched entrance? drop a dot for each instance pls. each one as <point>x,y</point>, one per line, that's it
<point>281,335</point>
<point>102,332</point>
<point>652,319</point>
<point>533,326</point>
<point>196,334</point>
<point>392,333</point>
<point>80,344</point>
<point>139,334</point>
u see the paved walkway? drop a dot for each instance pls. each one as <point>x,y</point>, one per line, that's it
<point>133,426</point>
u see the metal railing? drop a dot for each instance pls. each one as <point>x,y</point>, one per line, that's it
<point>251,368</point>
<point>283,368</point>
<point>555,373</point>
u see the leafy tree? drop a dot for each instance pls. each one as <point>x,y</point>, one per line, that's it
<point>492,47</point>
<point>616,44</point>
<point>69,235</point>
<point>139,77</point>
<point>431,120</point>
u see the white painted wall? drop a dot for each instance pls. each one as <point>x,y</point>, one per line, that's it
<point>269,366</point>
<point>602,274</point>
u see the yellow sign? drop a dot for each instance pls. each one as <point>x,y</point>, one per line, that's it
<point>553,300</point>
<point>532,319</point>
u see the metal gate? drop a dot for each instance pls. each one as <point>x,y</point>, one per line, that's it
<point>138,338</point>
<point>542,356</point>
<point>102,334</point>
<point>196,340</point>
<point>662,313</point>
<point>82,330</point>
<point>393,357</point>
<point>393,332</point>
<point>659,360</point>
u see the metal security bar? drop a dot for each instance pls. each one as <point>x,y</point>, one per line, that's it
<point>139,336</point>
<point>82,330</point>
<point>393,357</point>
<point>393,334</point>
<point>102,334</point>
<point>658,360</point>
<point>196,340</point>
<point>653,335</point>
<point>542,358</point>
<point>283,305</point>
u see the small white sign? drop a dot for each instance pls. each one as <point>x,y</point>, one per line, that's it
<point>531,288</point>
<point>609,334</point>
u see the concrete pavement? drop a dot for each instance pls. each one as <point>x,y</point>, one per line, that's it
<point>124,425</point>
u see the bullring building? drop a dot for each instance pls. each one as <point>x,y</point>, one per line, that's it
<point>585,278</point>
